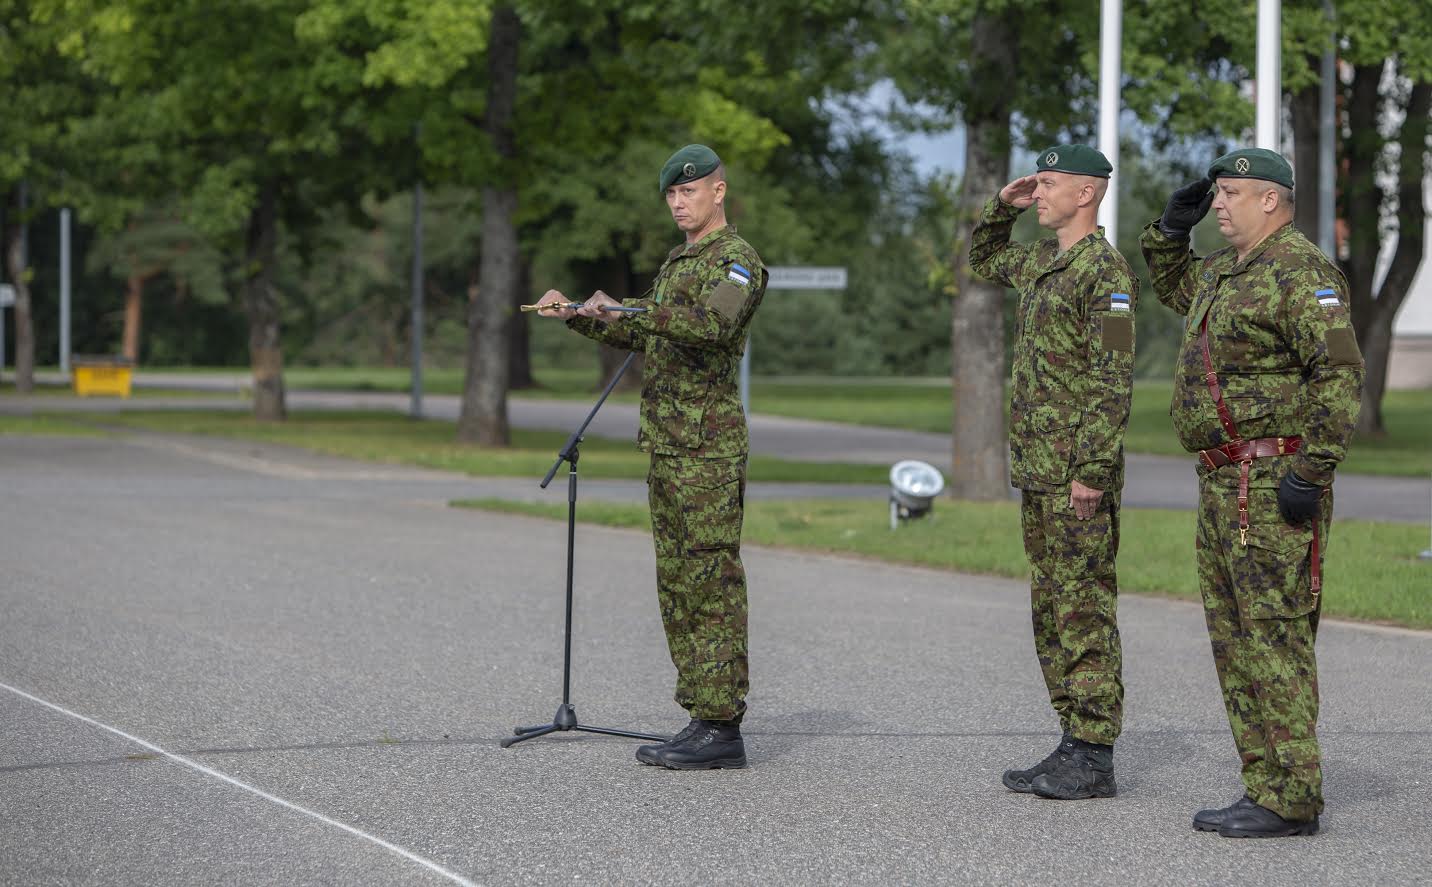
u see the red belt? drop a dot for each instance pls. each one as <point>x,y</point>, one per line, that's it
<point>1243,452</point>
<point>1248,450</point>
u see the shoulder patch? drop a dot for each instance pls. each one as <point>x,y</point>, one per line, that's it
<point>1119,302</point>
<point>729,300</point>
<point>738,274</point>
<point>1328,298</point>
<point>1117,333</point>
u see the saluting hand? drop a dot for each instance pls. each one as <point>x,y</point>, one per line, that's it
<point>593,307</point>
<point>1085,500</point>
<point>551,297</point>
<point>1186,207</point>
<point>1020,192</point>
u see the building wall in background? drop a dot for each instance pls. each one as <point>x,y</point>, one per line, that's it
<point>1410,363</point>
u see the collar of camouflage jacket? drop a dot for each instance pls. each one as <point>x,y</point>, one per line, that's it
<point>1236,267</point>
<point>697,248</point>
<point>1062,260</point>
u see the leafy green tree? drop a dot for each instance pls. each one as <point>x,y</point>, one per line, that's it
<point>157,242</point>
<point>44,95</point>
<point>1385,103</point>
<point>255,122</point>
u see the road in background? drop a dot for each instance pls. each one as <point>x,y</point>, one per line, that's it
<point>1150,481</point>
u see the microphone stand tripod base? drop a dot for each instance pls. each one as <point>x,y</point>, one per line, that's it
<point>566,719</point>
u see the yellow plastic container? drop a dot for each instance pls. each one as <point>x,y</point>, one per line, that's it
<point>102,376</point>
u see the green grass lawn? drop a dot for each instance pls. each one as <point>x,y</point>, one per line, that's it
<point>388,437</point>
<point>1372,568</point>
<point>51,425</point>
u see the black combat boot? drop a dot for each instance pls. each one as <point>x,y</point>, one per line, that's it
<point>1019,780</point>
<point>647,753</point>
<point>713,745</point>
<point>1084,771</point>
<point>1210,820</point>
<point>1252,821</point>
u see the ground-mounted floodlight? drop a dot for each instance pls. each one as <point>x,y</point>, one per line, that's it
<point>913,488</point>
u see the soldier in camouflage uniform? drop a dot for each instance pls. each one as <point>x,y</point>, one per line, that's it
<point>1267,392</point>
<point>693,334</point>
<point>1072,382</point>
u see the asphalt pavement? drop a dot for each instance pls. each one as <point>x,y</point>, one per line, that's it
<point>234,663</point>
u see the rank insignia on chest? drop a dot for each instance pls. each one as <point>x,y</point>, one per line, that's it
<point>738,275</point>
<point>1118,301</point>
<point>1328,299</point>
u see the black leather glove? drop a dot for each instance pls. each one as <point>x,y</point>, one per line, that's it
<point>1298,498</point>
<point>1185,207</point>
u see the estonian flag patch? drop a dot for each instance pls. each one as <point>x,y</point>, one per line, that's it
<point>1119,301</point>
<point>1328,298</point>
<point>739,275</point>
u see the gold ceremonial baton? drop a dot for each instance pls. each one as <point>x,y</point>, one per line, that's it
<point>553,305</point>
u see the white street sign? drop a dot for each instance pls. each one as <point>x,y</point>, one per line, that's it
<point>798,277</point>
<point>7,295</point>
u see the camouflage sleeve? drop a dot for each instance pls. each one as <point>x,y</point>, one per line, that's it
<point>992,256</point>
<point>1110,334</point>
<point>1317,325</point>
<point>618,334</point>
<point>717,313</point>
<point>1170,267</point>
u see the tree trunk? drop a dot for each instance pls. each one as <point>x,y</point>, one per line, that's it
<point>17,268</point>
<point>1406,258</point>
<point>1360,198</point>
<point>1373,312</point>
<point>979,467</point>
<point>484,397</point>
<point>519,339</point>
<point>261,306</point>
<point>133,315</point>
<point>1306,131</point>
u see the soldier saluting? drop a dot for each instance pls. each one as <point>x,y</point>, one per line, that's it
<point>1071,388</point>
<point>1267,392</point>
<point>693,333</point>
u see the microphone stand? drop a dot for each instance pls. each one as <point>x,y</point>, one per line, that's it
<point>566,717</point>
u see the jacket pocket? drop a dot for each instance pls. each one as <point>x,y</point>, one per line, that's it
<point>1271,572</point>
<point>678,412</point>
<point>1042,444</point>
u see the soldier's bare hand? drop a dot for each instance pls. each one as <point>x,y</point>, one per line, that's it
<point>553,297</point>
<point>593,307</point>
<point>1085,500</point>
<point>1020,192</point>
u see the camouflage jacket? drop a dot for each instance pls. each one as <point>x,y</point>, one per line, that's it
<point>1282,344</point>
<point>1073,353</point>
<point>693,335</point>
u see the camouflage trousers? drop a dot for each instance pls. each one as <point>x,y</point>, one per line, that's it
<point>1074,598</point>
<point>1262,623</point>
<point>696,510</point>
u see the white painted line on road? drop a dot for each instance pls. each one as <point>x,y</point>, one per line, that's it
<point>255,464</point>
<point>209,771</point>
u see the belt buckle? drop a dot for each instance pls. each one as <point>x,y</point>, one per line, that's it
<point>1280,447</point>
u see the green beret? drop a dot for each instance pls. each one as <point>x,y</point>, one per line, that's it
<point>687,165</point>
<point>1253,163</point>
<point>1081,160</point>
